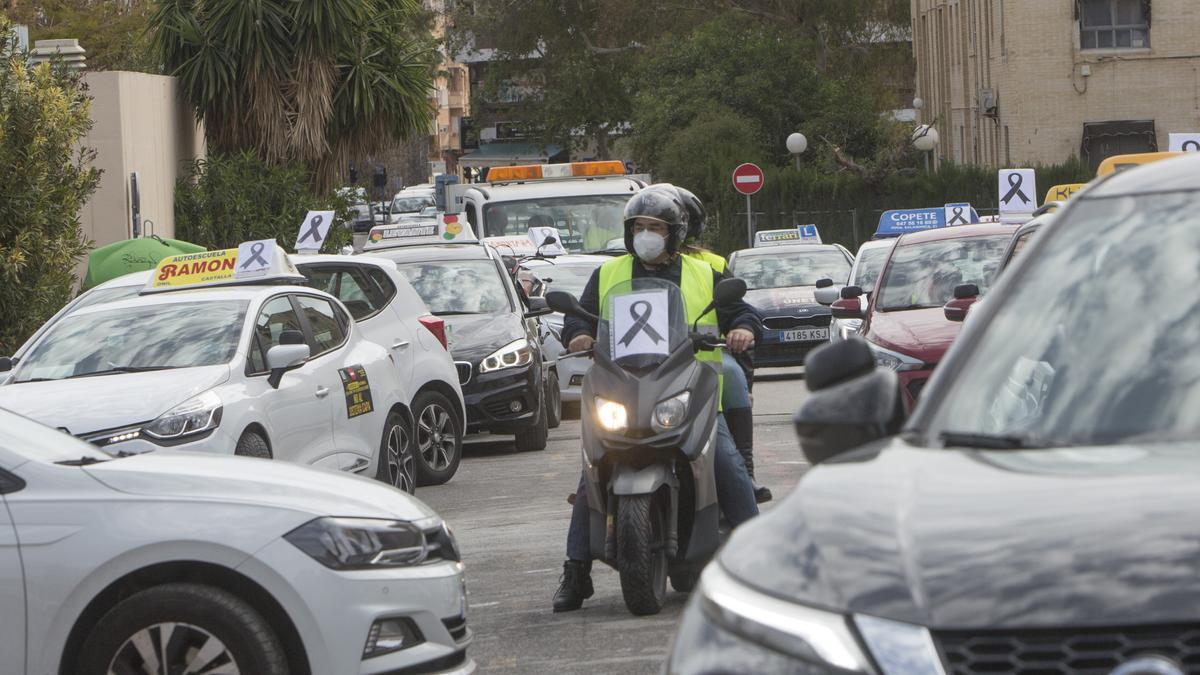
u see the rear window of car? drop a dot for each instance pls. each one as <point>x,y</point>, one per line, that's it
<point>796,268</point>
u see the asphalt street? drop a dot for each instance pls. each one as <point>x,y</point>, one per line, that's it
<point>510,514</point>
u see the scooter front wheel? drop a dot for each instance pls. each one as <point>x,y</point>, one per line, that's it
<point>642,552</point>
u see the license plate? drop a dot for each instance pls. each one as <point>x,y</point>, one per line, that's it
<point>804,335</point>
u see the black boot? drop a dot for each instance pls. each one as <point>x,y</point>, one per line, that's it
<point>741,427</point>
<point>575,586</point>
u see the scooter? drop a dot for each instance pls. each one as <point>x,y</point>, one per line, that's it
<point>649,418</point>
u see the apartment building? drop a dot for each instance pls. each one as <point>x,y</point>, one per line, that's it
<point>1011,82</point>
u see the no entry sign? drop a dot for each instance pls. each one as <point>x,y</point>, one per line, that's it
<point>748,179</point>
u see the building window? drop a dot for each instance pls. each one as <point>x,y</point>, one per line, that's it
<point>1102,140</point>
<point>1114,24</point>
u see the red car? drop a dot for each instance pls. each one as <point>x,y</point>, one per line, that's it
<point>928,282</point>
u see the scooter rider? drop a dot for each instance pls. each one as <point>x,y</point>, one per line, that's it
<point>655,228</point>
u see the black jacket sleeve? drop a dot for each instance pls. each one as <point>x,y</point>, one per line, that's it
<point>589,300</point>
<point>740,314</point>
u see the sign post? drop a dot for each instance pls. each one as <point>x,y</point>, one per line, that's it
<point>748,179</point>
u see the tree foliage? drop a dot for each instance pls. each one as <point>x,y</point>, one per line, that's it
<point>307,81</point>
<point>44,114</point>
<point>113,33</point>
<point>226,199</point>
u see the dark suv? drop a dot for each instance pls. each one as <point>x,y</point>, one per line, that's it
<point>1037,513</point>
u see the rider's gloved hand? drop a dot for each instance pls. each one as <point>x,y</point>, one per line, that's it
<point>738,339</point>
<point>582,343</point>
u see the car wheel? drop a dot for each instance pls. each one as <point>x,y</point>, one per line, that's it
<point>553,401</point>
<point>534,439</point>
<point>252,444</point>
<point>439,439</point>
<point>397,461</point>
<point>182,628</point>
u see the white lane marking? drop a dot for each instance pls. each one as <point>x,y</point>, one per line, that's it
<point>483,604</point>
<point>548,569</point>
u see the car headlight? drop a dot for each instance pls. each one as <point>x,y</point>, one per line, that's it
<point>899,647</point>
<point>611,414</point>
<point>511,355</point>
<point>671,412</point>
<point>202,413</point>
<point>891,360</point>
<point>848,327</point>
<point>360,543</point>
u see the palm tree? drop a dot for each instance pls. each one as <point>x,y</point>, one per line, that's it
<point>310,81</point>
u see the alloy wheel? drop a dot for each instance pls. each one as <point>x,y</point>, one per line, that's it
<point>401,465</point>
<point>435,437</point>
<point>173,649</point>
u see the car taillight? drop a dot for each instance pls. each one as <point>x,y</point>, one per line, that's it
<point>437,327</point>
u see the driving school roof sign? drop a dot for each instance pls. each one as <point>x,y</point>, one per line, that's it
<point>804,234</point>
<point>901,221</point>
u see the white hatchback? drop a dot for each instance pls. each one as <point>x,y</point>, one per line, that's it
<point>173,563</point>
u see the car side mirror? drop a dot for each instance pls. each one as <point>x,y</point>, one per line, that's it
<point>847,308</point>
<point>852,402</point>
<point>827,295</point>
<point>965,295</point>
<point>7,363</point>
<point>824,283</point>
<point>565,303</point>
<point>284,357</point>
<point>537,307</point>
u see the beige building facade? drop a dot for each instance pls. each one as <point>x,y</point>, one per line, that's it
<point>140,125</point>
<point>1018,82</point>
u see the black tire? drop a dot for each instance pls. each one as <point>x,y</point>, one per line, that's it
<point>252,444</point>
<point>642,553</point>
<point>192,616</point>
<point>684,581</point>
<point>553,401</point>
<point>438,437</point>
<point>534,438</point>
<point>397,465</point>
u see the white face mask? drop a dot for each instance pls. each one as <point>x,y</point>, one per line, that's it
<point>649,246</point>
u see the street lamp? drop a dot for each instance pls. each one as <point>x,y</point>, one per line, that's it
<point>925,139</point>
<point>797,144</point>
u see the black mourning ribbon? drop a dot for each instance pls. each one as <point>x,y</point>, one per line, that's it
<point>1015,182</point>
<point>641,323</point>
<point>1191,146</point>
<point>957,218</point>
<point>314,229</point>
<point>256,250</point>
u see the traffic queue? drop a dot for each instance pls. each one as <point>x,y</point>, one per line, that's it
<point>976,399</point>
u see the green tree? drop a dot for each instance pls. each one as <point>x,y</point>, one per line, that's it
<point>307,81</point>
<point>113,33</point>
<point>44,115</point>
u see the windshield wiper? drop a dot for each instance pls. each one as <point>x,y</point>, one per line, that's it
<point>455,312</point>
<point>987,441</point>
<point>82,461</point>
<point>121,369</point>
<point>907,307</point>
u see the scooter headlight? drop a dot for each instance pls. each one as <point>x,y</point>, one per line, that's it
<point>670,413</point>
<point>611,415</point>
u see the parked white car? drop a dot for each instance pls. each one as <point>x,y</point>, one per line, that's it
<point>864,273</point>
<point>174,563</point>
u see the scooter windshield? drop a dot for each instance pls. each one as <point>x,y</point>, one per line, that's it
<point>642,322</point>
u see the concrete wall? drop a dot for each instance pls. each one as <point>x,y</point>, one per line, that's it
<point>139,125</point>
<point>1028,51</point>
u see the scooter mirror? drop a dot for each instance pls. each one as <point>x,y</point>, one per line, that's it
<point>729,291</point>
<point>565,303</point>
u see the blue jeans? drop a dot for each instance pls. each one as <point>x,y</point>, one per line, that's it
<point>735,494</point>
<point>735,393</point>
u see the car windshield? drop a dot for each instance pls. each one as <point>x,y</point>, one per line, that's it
<point>587,223</point>
<point>134,339</point>
<point>1096,344</point>
<point>924,275</point>
<point>799,268</point>
<point>99,296</point>
<point>566,277</point>
<point>458,286</point>
<point>412,204</point>
<point>25,438</point>
<point>870,262</point>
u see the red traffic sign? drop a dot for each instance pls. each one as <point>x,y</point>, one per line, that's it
<point>748,179</point>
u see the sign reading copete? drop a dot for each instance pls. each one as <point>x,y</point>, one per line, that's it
<point>196,268</point>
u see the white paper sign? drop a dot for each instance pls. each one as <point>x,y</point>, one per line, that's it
<point>1018,191</point>
<point>538,236</point>
<point>313,230</point>
<point>1185,143</point>
<point>254,258</point>
<point>959,214</point>
<point>640,324</point>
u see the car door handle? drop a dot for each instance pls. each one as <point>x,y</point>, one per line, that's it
<point>322,392</point>
<point>400,344</point>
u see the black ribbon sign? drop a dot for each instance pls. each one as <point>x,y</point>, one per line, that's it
<point>957,217</point>
<point>1191,146</point>
<point>314,229</point>
<point>1015,182</point>
<point>256,250</point>
<point>641,323</point>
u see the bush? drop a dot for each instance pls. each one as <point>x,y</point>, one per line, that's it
<point>224,200</point>
<point>44,114</point>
